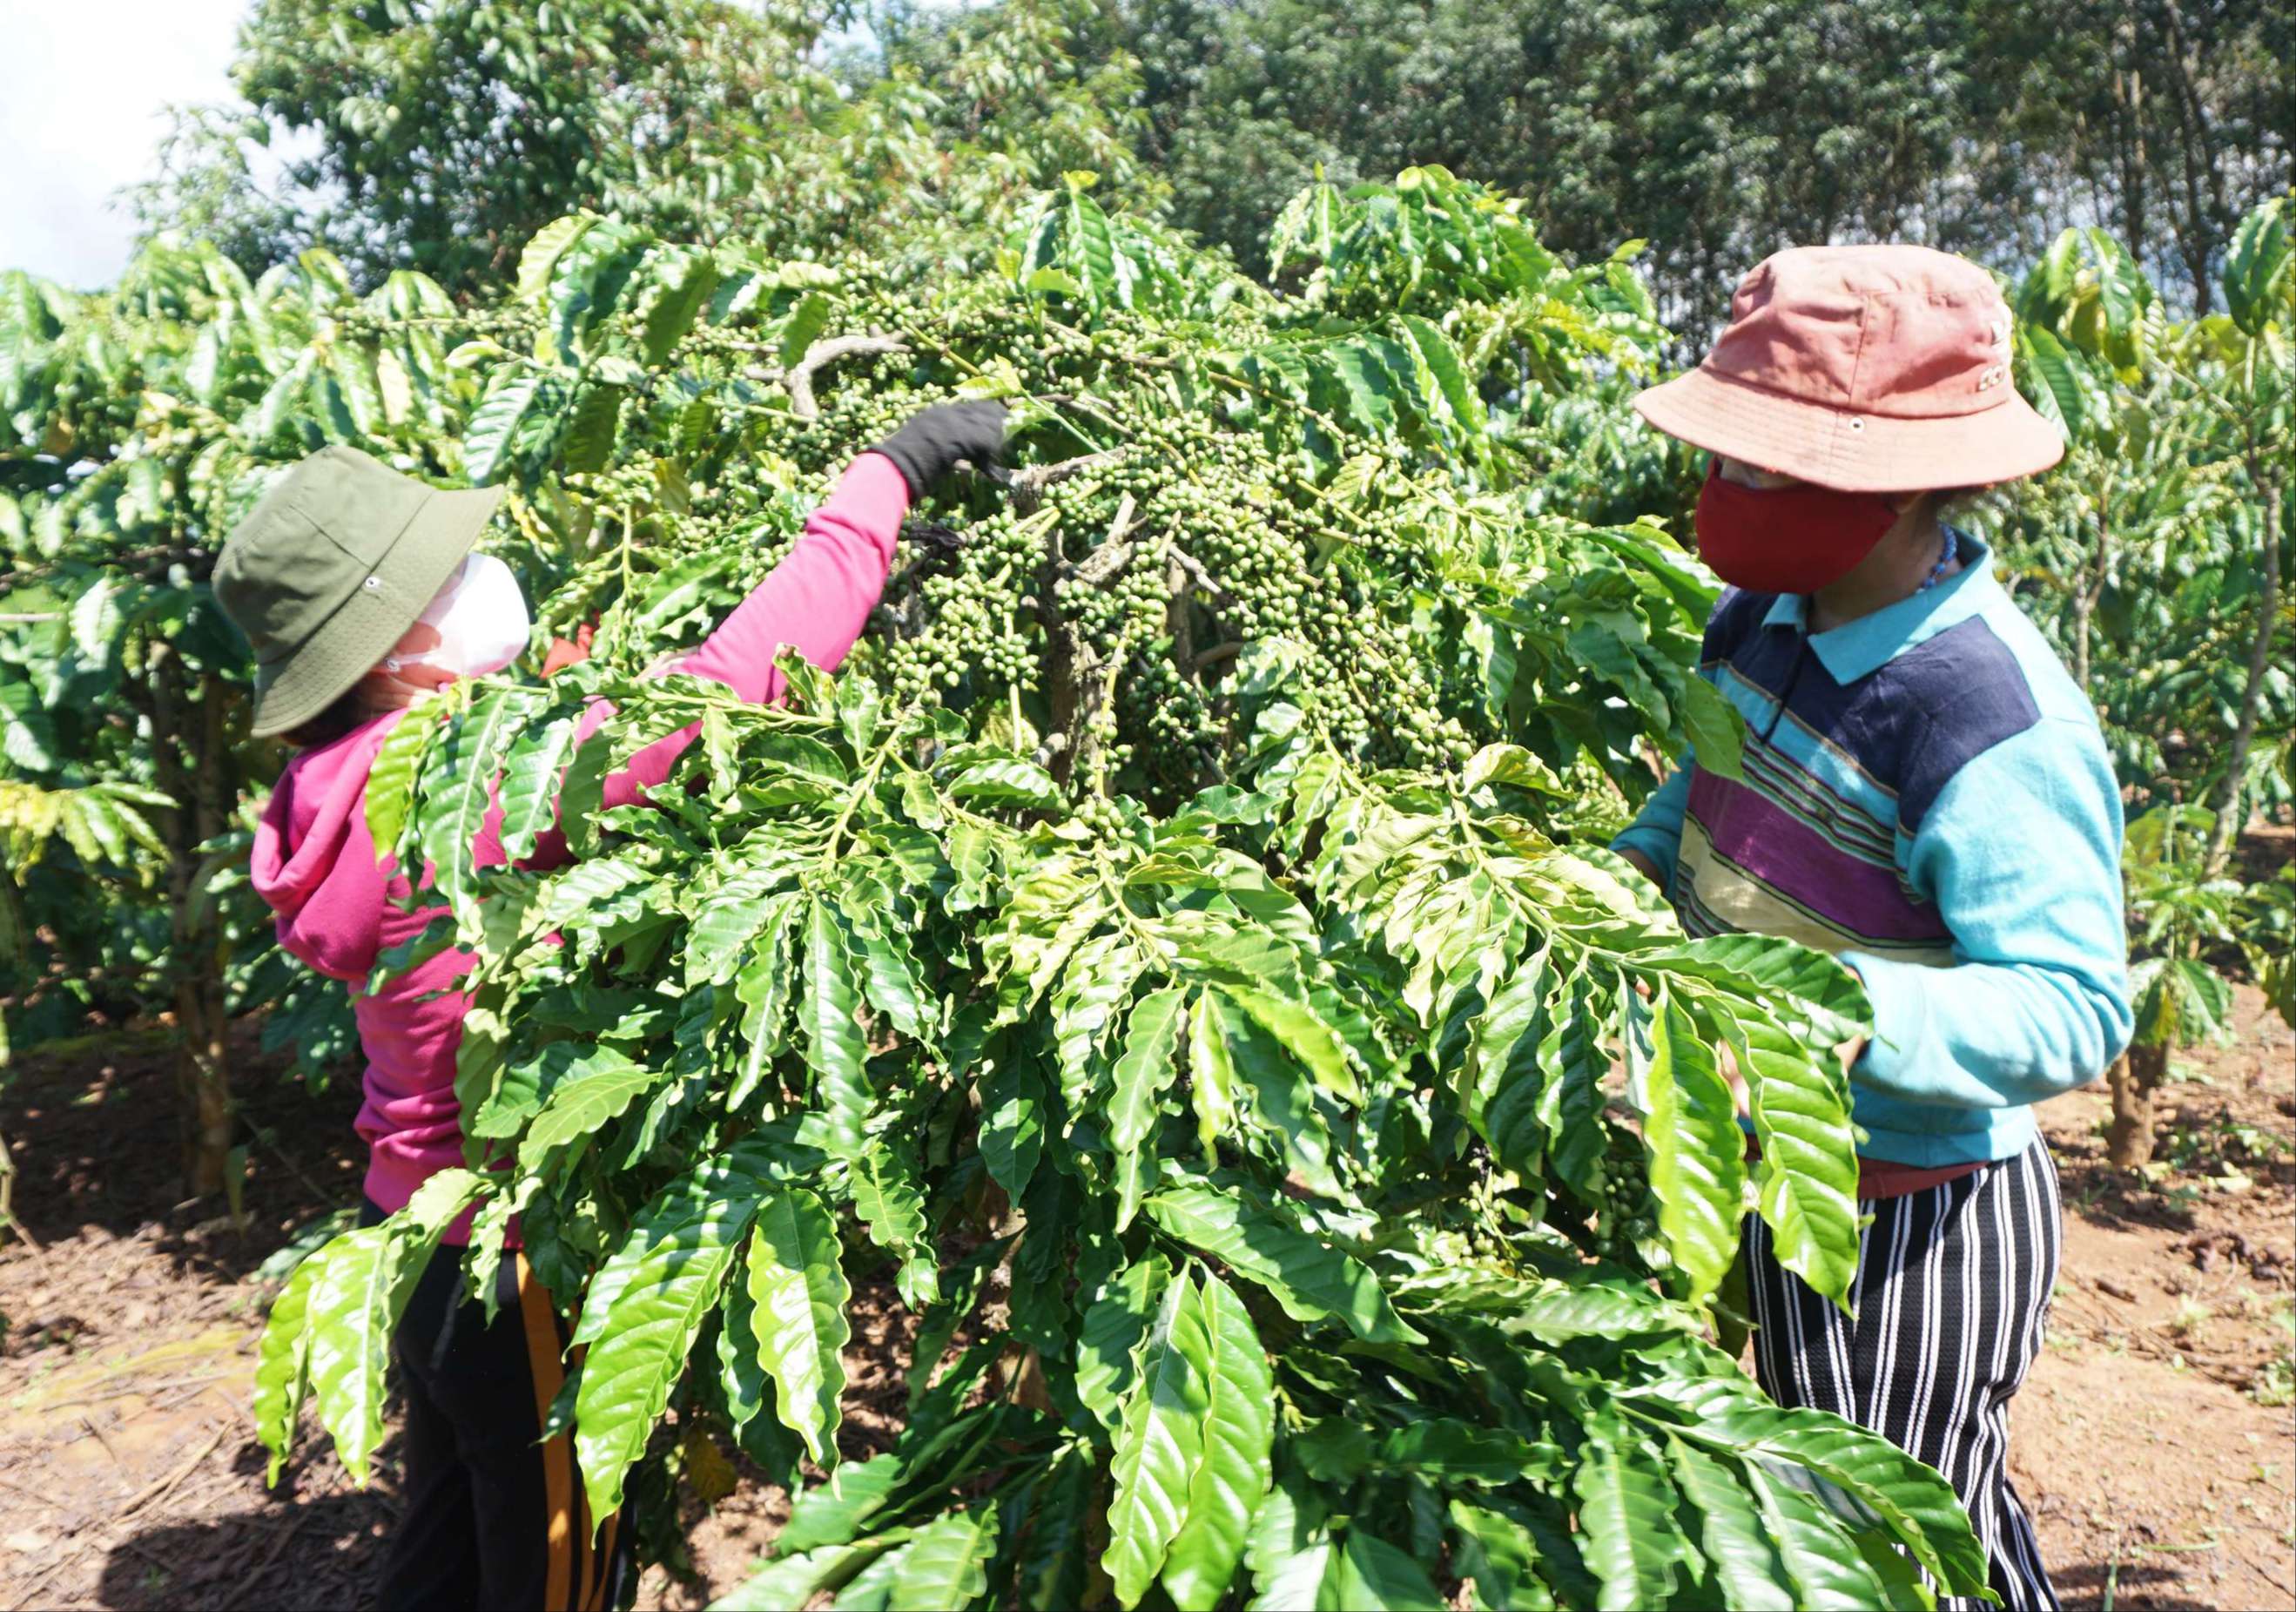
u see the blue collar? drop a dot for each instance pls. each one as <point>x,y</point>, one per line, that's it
<point>1856,648</point>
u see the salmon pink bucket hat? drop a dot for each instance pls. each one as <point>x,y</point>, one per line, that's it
<point>1865,369</point>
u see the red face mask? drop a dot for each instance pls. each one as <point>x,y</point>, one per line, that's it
<point>1786,539</point>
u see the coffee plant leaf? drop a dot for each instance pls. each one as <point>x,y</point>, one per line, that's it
<point>1824,1573</point>
<point>827,1011</point>
<point>797,1283</point>
<point>1310,1279</point>
<point>1697,1167</point>
<point>579,1105</point>
<point>1498,1555</point>
<point>530,778</point>
<point>1139,1078</point>
<point>1805,1178</point>
<point>398,764</point>
<point>945,1564</point>
<point>357,1290</point>
<point>1734,1536</point>
<point>1159,1442</point>
<point>1115,1322</point>
<point>1370,1573</point>
<point>1291,1553</point>
<point>283,1367</point>
<point>793,1580</point>
<point>1051,1571</point>
<point>666,1279</point>
<point>1624,1500</point>
<point>1232,1469</point>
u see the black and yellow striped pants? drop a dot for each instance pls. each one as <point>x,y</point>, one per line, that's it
<point>494,1515</point>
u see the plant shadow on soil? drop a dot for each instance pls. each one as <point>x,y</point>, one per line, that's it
<point>132,1478</point>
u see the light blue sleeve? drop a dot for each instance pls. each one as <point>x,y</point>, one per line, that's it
<point>1657,829</point>
<point>2020,851</point>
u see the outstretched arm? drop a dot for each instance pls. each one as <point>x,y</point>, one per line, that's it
<point>816,602</point>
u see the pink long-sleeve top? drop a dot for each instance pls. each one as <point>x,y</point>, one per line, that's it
<point>338,905</point>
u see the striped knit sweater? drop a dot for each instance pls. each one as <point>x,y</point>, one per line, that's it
<point>1925,793</point>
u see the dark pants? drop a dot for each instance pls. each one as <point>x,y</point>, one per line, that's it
<point>494,1515</point>
<point>1951,1293</point>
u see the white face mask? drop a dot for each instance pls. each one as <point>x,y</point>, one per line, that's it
<point>482,620</point>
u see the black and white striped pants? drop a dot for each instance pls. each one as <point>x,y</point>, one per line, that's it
<point>1952,1289</point>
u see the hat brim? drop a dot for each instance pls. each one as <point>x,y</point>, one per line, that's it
<point>1851,453</point>
<point>368,624</point>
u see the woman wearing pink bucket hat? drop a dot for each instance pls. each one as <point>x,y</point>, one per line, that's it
<point>1923,792</point>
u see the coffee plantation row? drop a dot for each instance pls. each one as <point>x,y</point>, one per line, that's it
<point>1176,953</point>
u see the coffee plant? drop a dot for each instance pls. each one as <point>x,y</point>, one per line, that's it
<point>2154,558</point>
<point>1174,961</point>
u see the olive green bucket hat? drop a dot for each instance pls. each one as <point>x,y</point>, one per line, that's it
<point>331,568</point>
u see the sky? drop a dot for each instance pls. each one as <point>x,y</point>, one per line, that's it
<point>83,88</point>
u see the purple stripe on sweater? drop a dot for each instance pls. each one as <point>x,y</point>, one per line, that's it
<point>1770,844</point>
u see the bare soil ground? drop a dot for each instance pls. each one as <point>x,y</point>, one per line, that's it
<point>2155,1442</point>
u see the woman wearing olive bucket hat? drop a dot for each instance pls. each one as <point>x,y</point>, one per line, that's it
<point>1924,793</point>
<point>358,590</point>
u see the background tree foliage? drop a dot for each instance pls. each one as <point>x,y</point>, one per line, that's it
<point>447,131</point>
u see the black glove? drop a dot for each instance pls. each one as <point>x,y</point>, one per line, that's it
<point>934,439</point>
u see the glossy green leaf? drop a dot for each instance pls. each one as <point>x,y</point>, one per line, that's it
<point>1625,1508</point>
<point>1807,1177</point>
<point>685,280</point>
<point>1142,1071</point>
<point>834,1050</point>
<point>458,789</point>
<point>390,780</point>
<point>358,1288</point>
<point>1697,1167</point>
<point>798,1284</point>
<point>488,444</point>
<point>283,1363</point>
<point>1049,1575</point>
<point>1311,1280</point>
<point>1733,1533</point>
<point>1827,1572</point>
<point>1291,1553</point>
<point>1159,1444</point>
<point>945,1566</point>
<point>1714,728</point>
<point>1211,1073</point>
<point>1499,1555</point>
<point>1012,1125</point>
<point>892,1205</point>
<point>793,1580</point>
<point>530,782</point>
<point>1116,1322</point>
<point>1231,1471</point>
<point>579,1107</point>
<point>1371,1575</point>
<point>542,253</point>
<point>640,1319</point>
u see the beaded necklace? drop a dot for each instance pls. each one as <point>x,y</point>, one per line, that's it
<point>1937,572</point>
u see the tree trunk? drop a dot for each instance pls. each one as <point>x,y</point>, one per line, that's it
<point>2084,607</point>
<point>192,766</point>
<point>2090,588</point>
<point>2134,1080</point>
<point>2128,93</point>
<point>2228,821</point>
<point>204,1081</point>
<point>2204,183</point>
